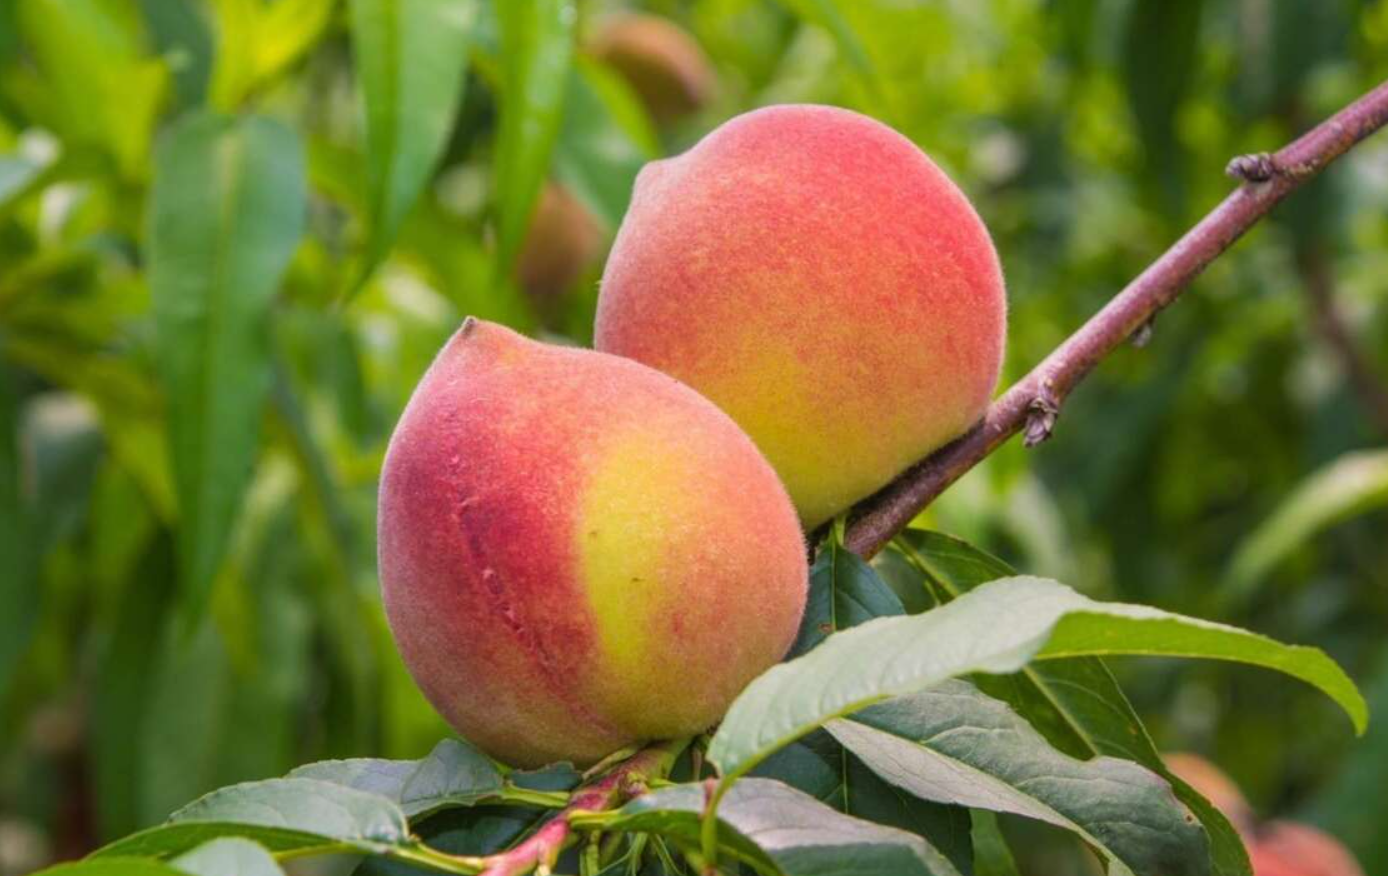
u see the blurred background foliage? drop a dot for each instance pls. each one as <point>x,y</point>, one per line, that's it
<point>188,454</point>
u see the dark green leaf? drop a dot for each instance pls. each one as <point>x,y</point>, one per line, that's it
<point>955,745</point>
<point>227,210</point>
<point>778,829</point>
<point>18,591</point>
<point>1076,704</point>
<point>844,592</point>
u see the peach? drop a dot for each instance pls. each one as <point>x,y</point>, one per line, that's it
<point>662,63</point>
<point>815,275</point>
<point>577,552</point>
<point>564,240</point>
<point>1286,848</point>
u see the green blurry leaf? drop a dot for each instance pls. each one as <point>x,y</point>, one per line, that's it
<point>182,35</point>
<point>536,49</point>
<point>124,677</point>
<point>411,56</point>
<point>1349,486</point>
<point>778,829</point>
<point>181,729</point>
<point>228,856</point>
<point>454,774</point>
<point>1341,806</point>
<point>96,86</point>
<point>18,176</point>
<point>280,814</point>
<point>256,40</point>
<point>228,207</point>
<point>996,628</point>
<point>19,593</point>
<point>844,592</point>
<point>1076,704</point>
<point>605,140</point>
<point>1159,62</point>
<point>955,745</point>
<point>826,14</point>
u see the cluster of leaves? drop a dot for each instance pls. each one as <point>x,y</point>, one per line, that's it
<point>234,232</point>
<point>867,750</point>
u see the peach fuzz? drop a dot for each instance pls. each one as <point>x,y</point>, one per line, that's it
<point>815,275</point>
<point>577,552</point>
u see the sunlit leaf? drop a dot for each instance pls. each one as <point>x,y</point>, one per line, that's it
<point>996,628</point>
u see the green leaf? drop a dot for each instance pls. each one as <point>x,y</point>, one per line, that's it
<point>181,34</point>
<point>95,86</point>
<point>819,766</point>
<point>228,206</point>
<point>1076,703</point>
<point>605,140</point>
<point>827,15</point>
<point>844,592</point>
<point>18,176</point>
<point>536,49</point>
<point>997,628</point>
<point>1347,487</point>
<point>454,774</point>
<point>953,744</point>
<point>1159,55</point>
<point>112,866</point>
<point>410,56</point>
<point>992,857</point>
<point>777,829</point>
<point>280,814</point>
<point>228,856</point>
<point>256,40</point>
<point>19,593</point>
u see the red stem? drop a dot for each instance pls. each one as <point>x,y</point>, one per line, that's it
<point>624,781</point>
<point>1034,402</point>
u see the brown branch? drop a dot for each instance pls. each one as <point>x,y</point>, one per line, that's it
<point>1329,323</point>
<point>627,779</point>
<point>1033,403</point>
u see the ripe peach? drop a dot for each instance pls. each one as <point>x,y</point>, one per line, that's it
<point>815,275</point>
<point>1286,848</point>
<point>563,241</point>
<point>578,552</point>
<point>660,60</point>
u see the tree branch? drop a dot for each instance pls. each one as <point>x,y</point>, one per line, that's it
<point>625,780</point>
<point>1033,403</point>
<point>1319,286</point>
